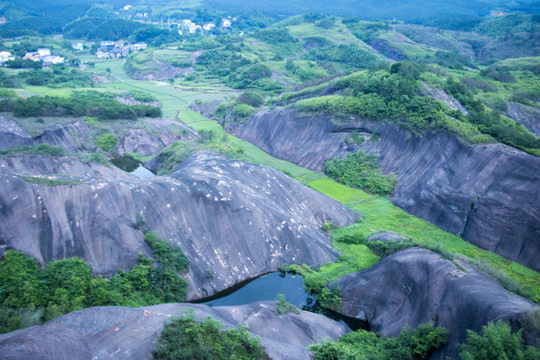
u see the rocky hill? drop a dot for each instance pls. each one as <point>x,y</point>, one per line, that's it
<point>131,333</point>
<point>488,193</point>
<point>238,219</point>
<point>416,286</point>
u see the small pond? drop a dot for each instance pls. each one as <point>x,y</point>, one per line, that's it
<point>132,166</point>
<point>267,288</point>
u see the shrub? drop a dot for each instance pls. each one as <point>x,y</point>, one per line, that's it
<point>29,296</point>
<point>496,342</point>
<point>284,307</point>
<point>361,171</point>
<point>243,110</point>
<point>107,142</point>
<point>362,344</point>
<point>250,98</point>
<point>185,338</point>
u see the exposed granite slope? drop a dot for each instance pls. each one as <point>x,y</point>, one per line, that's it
<point>416,286</point>
<point>241,220</point>
<point>489,194</point>
<point>131,333</point>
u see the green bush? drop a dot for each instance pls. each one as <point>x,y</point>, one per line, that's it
<point>250,99</point>
<point>362,344</point>
<point>29,296</point>
<point>185,338</point>
<point>284,307</point>
<point>243,110</point>
<point>361,171</point>
<point>496,342</point>
<point>107,142</point>
<point>82,103</point>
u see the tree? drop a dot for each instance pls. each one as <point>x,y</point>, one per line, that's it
<point>497,342</point>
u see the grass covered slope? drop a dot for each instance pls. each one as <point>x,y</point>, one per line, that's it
<point>381,215</point>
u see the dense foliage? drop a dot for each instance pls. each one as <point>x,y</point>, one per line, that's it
<point>29,295</point>
<point>380,96</point>
<point>491,122</point>
<point>81,103</point>
<point>107,142</point>
<point>185,338</point>
<point>497,342</point>
<point>361,171</point>
<point>351,55</point>
<point>57,76</point>
<point>98,29</point>
<point>361,344</point>
<point>393,95</point>
<point>237,71</point>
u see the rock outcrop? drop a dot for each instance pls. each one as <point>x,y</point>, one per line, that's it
<point>489,194</point>
<point>416,286</point>
<point>146,137</point>
<point>527,116</point>
<point>239,219</point>
<point>131,333</point>
<point>12,135</point>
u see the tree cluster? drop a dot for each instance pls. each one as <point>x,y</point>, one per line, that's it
<point>81,103</point>
<point>29,295</point>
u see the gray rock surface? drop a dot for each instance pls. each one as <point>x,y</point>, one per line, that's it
<point>527,116</point>
<point>304,140</point>
<point>146,137</point>
<point>443,96</point>
<point>157,134</point>
<point>489,194</point>
<point>241,220</point>
<point>416,286</point>
<point>131,333</point>
<point>12,135</point>
<point>386,236</point>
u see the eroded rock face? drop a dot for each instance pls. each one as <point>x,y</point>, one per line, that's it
<point>241,220</point>
<point>12,135</point>
<point>527,116</point>
<point>489,194</point>
<point>131,333</point>
<point>417,286</point>
<point>304,140</point>
<point>146,137</point>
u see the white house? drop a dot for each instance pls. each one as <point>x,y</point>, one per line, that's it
<point>6,56</point>
<point>138,46</point>
<point>225,23</point>
<point>52,59</point>
<point>77,45</point>
<point>44,52</point>
<point>209,26</point>
<point>193,28</point>
<point>102,54</point>
<point>31,56</point>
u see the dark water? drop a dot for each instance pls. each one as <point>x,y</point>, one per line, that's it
<point>132,166</point>
<point>267,288</point>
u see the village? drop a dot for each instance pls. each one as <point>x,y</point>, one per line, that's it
<point>117,48</point>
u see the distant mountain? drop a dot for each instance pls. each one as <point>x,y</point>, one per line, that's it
<point>406,10</point>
